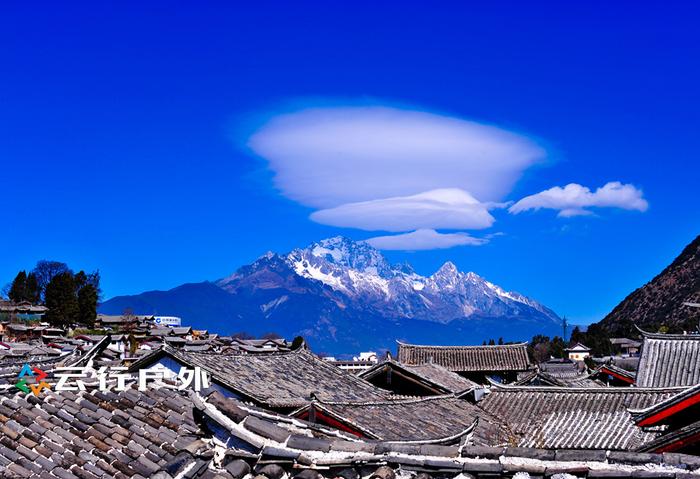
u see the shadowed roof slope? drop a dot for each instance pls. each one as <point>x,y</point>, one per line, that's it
<point>442,376</point>
<point>282,379</point>
<point>509,357</point>
<point>664,411</point>
<point>430,375</point>
<point>669,360</point>
<point>573,418</point>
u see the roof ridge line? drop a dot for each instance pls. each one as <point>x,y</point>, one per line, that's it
<point>607,390</point>
<point>386,402</point>
<point>437,346</point>
<point>650,335</point>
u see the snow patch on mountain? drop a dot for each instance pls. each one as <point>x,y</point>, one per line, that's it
<point>361,273</point>
<point>356,275</point>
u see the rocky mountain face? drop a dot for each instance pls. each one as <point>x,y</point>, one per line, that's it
<point>660,302</point>
<point>345,296</point>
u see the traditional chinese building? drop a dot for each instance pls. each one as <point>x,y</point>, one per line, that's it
<point>560,373</point>
<point>578,352</point>
<point>679,416</point>
<point>669,360</point>
<point>503,362</point>
<point>439,420</point>
<point>281,381</point>
<point>614,375</point>
<point>23,310</point>
<point>574,418</point>
<point>427,379</point>
<point>625,346</point>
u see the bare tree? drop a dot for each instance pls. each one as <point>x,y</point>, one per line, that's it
<point>129,320</point>
<point>45,271</point>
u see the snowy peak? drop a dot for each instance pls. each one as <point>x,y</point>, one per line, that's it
<point>344,252</point>
<point>447,269</point>
<point>362,273</point>
<point>359,276</point>
<point>448,272</point>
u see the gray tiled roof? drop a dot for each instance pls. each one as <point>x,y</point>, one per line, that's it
<point>435,418</point>
<point>165,434</point>
<point>431,375</point>
<point>576,418</point>
<point>510,357</point>
<point>442,376</point>
<point>680,402</point>
<point>564,374</point>
<point>94,434</point>
<point>669,360</point>
<point>673,440</point>
<point>279,380</point>
<point>294,448</point>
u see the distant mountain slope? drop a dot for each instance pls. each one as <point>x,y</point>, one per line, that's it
<point>345,296</point>
<point>198,302</point>
<point>660,301</point>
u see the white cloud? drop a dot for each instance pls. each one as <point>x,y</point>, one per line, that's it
<point>331,156</point>
<point>379,168</point>
<point>424,239</point>
<point>574,199</point>
<point>449,208</point>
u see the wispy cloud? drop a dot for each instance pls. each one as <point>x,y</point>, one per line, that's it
<point>424,239</point>
<point>444,208</point>
<point>575,200</point>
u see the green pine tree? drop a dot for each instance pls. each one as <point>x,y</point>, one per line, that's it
<point>61,300</point>
<point>87,305</point>
<point>18,290</point>
<point>32,292</point>
<point>557,347</point>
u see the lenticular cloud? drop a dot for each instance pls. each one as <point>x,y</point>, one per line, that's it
<point>424,239</point>
<point>328,157</point>
<point>444,208</point>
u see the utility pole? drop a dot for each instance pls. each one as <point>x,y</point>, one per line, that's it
<point>565,326</point>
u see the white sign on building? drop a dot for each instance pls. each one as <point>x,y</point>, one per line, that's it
<point>167,320</point>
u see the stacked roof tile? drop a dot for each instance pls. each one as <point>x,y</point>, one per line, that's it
<point>163,433</point>
<point>277,380</point>
<point>430,378</point>
<point>437,419</point>
<point>442,376</point>
<point>669,360</point>
<point>510,357</point>
<point>575,418</point>
<point>100,434</point>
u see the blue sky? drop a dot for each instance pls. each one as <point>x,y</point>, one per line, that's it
<point>125,138</point>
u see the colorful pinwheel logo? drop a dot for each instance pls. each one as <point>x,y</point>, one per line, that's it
<point>37,377</point>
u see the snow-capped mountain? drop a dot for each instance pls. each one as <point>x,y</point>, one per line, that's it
<point>345,296</point>
<point>361,273</point>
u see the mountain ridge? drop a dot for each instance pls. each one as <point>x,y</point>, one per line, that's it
<point>660,301</point>
<point>344,295</point>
